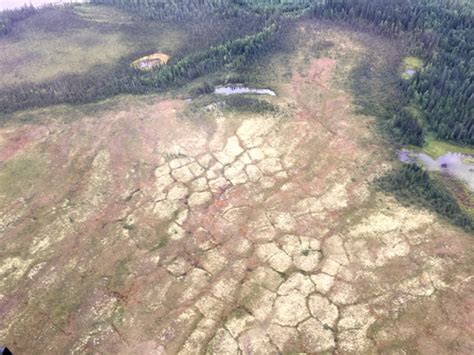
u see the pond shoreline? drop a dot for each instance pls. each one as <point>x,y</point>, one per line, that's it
<point>240,89</point>
<point>458,165</point>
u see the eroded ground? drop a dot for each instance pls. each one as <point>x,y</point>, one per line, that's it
<point>142,230</point>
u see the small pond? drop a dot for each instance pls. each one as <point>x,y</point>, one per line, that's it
<point>410,72</point>
<point>458,165</point>
<point>239,89</point>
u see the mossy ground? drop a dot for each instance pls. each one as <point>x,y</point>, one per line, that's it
<point>78,40</point>
<point>436,148</point>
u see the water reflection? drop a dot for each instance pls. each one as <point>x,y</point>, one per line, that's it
<point>458,165</point>
<point>239,89</point>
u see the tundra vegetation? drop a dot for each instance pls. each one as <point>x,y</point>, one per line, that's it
<point>141,212</point>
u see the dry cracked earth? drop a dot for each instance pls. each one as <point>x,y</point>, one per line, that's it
<point>140,230</point>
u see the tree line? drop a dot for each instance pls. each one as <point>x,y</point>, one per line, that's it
<point>9,18</point>
<point>75,89</point>
<point>234,53</point>
<point>441,32</point>
<point>178,10</point>
<point>413,184</point>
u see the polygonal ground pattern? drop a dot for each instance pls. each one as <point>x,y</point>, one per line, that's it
<point>232,235</point>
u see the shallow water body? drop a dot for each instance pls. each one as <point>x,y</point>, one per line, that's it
<point>238,89</point>
<point>458,165</point>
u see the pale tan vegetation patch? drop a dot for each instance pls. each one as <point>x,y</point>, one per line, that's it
<point>150,62</point>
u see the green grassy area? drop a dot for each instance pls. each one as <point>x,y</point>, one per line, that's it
<point>436,148</point>
<point>411,63</point>
<point>65,41</point>
<point>416,114</point>
<point>52,43</point>
<point>101,13</point>
<point>69,113</point>
<point>38,56</point>
<point>247,104</point>
<point>18,175</point>
<point>121,272</point>
<point>414,63</point>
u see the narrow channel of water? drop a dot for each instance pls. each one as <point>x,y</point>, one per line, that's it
<point>238,89</point>
<point>458,165</point>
